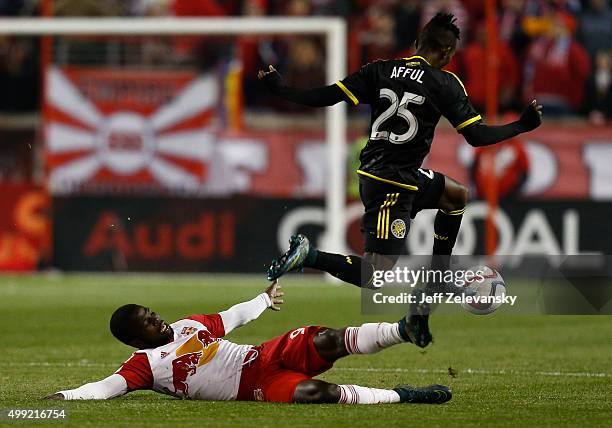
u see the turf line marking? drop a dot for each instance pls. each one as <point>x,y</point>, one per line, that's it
<point>357,369</point>
<point>477,371</point>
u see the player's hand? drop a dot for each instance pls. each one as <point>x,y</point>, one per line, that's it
<point>531,117</point>
<point>276,295</point>
<point>56,396</point>
<point>271,78</point>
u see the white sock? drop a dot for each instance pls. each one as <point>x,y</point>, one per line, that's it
<point>355,394</point>
<point>371,337</point>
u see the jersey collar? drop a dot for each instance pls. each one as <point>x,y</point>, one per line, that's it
<point>418,57</point>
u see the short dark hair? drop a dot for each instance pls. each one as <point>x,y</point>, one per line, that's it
<point>121,323</point>
<point>440,33</point>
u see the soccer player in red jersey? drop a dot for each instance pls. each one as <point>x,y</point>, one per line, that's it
<point>190,359</point>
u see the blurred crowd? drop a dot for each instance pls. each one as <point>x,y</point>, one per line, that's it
<point>558,51</point>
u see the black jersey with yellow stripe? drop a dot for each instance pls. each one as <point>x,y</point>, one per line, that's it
<point>407,98</point>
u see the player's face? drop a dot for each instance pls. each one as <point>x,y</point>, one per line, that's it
<point>152,330</point>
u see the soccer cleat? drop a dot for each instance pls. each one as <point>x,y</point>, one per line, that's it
<point>432,394</point>
<point>414,327</point>
<point>293,259</point>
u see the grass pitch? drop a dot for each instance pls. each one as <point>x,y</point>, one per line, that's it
<point>511,370</point>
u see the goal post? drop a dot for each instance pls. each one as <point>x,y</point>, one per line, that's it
<point>332,29</point>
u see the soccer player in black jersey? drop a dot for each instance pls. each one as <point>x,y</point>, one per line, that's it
<point>407,98</point>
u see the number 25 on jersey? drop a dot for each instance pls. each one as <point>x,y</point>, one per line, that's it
<point>397,108</point>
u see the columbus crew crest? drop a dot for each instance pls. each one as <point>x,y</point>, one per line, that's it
<point>398,228</point>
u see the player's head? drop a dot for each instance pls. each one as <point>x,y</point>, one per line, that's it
<point>138,326</point>
<point>439,38</point>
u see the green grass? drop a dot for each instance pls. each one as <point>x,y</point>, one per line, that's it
<point>512,370</point>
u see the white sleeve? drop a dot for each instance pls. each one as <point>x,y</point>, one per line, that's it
<point>111,387</point>
<point>244,312</point>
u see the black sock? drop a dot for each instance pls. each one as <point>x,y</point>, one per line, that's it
<point>351,269</point>
<point>446,229</point>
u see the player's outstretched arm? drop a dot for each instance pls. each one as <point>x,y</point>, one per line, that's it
<point>111,387</point>
<point>245,312</point>
<point>316,97</point>
<point>479,134</point>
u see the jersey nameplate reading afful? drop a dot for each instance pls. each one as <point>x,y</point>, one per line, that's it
<point>407,72</point>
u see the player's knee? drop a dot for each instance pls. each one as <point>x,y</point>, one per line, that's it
<point>330,344</point>
<point>463,194</point>
<point>316,392</point>
<point>456,197</point>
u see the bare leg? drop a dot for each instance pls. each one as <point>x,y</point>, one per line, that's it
<point>369,338</point>
<point>454,197</point>
<point>314,391</point>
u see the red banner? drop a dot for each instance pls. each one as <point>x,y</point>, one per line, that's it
<point>560,162</point>
<point>156,132</point>
<point>127,129</point>
<point>564,161</point>
<point>25,228</point>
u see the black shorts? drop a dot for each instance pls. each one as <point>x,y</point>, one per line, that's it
<point>390,207</point>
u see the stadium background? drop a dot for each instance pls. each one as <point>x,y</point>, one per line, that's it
<point>220,183</point>
<point>229,172</point>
